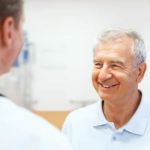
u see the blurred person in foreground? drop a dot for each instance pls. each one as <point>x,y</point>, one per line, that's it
<point>120,120</point>
<point>19,128</point>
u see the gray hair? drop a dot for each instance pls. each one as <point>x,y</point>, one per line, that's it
<point>139,50</point>
<point>12,8</point>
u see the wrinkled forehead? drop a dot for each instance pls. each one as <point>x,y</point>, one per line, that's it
<point>122,43</point>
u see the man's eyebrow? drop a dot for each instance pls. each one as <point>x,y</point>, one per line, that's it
<point>117,62</point>
<point>95,60</point>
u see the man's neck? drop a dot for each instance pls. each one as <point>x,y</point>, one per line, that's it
<point>121,113</point>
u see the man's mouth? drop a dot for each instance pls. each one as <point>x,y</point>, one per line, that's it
<point>108,86</point>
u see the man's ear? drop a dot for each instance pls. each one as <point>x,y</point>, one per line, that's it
<point>7,29</point>
<point>141,71</point>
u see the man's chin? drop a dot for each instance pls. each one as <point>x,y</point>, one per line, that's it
<point>105,96</point>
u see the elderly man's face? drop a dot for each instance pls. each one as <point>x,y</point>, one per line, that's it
<point>114,76</point>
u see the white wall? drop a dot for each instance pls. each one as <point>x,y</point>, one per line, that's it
<point>64,32</point>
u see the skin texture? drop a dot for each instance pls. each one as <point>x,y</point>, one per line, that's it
<point>116,79</point>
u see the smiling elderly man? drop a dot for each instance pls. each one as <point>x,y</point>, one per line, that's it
<point>121,119</point>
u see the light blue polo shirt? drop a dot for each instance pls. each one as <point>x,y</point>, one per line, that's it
<point>87,129</point>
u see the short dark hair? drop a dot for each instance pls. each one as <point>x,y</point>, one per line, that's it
<point>12,8</point>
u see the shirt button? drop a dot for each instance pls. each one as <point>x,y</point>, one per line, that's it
<point>114,138</point>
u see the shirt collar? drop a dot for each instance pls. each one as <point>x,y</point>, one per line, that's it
<point>136,125</point>
<point>100,119</point>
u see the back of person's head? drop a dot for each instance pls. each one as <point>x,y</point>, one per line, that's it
<point>139,50</point>
<point>11,32</point>
<point>11,8</point>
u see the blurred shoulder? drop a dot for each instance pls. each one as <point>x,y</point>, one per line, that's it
<point>29,128</point>
<point>13,113</point>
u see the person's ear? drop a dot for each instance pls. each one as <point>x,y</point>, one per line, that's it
<point>141,71</point>
<point>7,30</point>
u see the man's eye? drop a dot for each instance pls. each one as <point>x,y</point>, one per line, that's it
<point>98,65</point>
<point>115,66</point>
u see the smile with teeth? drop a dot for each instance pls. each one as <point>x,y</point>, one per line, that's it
<point>107,86</point>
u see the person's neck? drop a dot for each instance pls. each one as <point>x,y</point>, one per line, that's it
<point>120,113</point>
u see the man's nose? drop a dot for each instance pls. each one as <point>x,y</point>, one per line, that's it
<point>104,73</point>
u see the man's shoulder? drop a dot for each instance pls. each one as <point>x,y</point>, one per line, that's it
<point>19,115</point>
<point>84,113</point>
<point>27,125</point>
